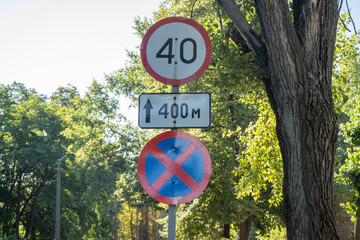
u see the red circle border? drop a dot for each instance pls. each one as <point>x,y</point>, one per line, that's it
<point>174,200</point>
<point>169,81</point>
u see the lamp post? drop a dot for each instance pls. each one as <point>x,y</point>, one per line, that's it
<point>58,188</point>
<point>116,222</point>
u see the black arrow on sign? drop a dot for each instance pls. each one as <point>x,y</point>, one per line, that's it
<point>148,107</point>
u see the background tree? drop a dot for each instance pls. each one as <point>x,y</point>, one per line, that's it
<point>246,173</point>
<point>140,211</point>
<point>346,94</point>
<point>30,140</point>
<point>96,134</point>
<point>233,108</point>
<point>36,131</point>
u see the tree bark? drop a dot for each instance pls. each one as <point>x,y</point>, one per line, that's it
<point>31,224</point>
<point>131,224</point>
<point>245,228</point>
<point>226,233</point>
<point>357,223</point>
<point>18,206</point>
<point>298,63</point>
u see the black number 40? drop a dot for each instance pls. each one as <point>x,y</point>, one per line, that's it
<point>168,47</point>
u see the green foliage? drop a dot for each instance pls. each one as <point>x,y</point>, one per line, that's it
<point>347,98</point>
<point>345,72</point>
<point>350,173</point>
<point>100,146</point>
<point>351,169</point>
<point>103,149</point>
<point>278,233</point>
<point>11,237</point>
<point>30,139</point>
<point>233,80</point>
<point>35,133</point>
<point>260,164</point>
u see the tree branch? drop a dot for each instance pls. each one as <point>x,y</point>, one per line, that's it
<point>347,6</point>
<point>344,24</point>
<point>253,41</point>
<point>237,38</point>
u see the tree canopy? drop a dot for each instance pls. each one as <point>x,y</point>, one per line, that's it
<point>253,140</point>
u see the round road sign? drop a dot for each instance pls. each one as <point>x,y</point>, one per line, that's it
<point>176,50</point>
<point>174,167</point>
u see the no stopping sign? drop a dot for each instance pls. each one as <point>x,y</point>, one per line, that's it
<point>174,167</point>
<point>176,50</point>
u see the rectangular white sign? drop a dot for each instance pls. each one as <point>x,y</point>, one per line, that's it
<point>174,110</point>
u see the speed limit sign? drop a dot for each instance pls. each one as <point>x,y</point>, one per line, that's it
<point>176,50</point>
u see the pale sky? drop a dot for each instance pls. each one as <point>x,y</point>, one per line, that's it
<point>50,43</point>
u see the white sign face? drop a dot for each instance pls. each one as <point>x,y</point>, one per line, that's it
<point>174,110</point>
<point>176,51</point>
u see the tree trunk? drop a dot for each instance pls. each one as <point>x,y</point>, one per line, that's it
<point>156,232</point>
<point>18,206</point>
<point>357,223</point>
<point>297,61</point>
<point>145,219</point>
<point>226,233</point>
<point>300,92</point>
<point>31,224</point>
<point>131,224</point>
<point>245,228</point>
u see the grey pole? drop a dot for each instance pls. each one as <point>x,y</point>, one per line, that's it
<point>116,223</point>
<point>137,223</point>
<point>175,89</point>
<point>172,208</point>
<point>58,188</point>
<point>172,222</point>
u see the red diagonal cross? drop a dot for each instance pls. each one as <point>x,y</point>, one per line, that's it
<point>174,167</point>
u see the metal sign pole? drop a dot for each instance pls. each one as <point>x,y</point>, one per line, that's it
<point>116,222</point>
<point>172,208</point>
<point>170,71</point>
<point>172,222</point>
<point>175,89</point>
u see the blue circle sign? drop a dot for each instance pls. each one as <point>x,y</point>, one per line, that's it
<point>174,167</point>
